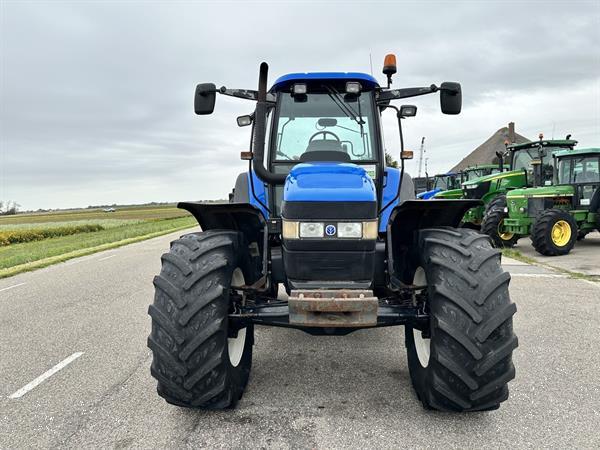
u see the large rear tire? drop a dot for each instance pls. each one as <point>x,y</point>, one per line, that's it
<point>199,361</point>
<point>554,232</point>
<point>463,360</point>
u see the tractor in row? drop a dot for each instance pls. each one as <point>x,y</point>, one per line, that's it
<point>492,189</point>
<point>555,216</point>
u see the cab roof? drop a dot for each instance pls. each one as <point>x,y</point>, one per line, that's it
<point>578,152</point>
<point>285,81</point>
<point>545,143</point>
<point>483,166</point>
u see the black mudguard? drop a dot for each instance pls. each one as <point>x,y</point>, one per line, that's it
<point>405,222</point>
<point>242,217</point>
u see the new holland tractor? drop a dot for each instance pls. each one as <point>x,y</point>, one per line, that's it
<point>319,214</point>
<point>492,189</point>
<point>441,183</point>
<point>558,215</point>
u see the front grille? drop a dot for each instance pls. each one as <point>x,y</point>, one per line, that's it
<point>478,192</point>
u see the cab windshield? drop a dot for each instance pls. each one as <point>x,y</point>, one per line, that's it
<point>444,183</point>
<point>521,159</point>
<point>583,169</point>
<point>325,122</point>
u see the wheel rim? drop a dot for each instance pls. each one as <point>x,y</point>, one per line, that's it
<point>561,233</point>
<point>235,346</point>
<point>504,235</point>
<point>422,345</point>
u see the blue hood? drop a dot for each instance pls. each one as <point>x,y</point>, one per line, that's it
<point>329,182</point>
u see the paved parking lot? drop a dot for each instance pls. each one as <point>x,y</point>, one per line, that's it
<point>584,258</point>
<point>304,392</point>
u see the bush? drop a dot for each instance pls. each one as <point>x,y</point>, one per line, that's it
<point>38,234</point>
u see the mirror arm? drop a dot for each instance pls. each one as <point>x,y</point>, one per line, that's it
<point>246,94</point>
<point>395,94</point>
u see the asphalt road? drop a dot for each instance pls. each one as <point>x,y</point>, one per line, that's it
<point>304,391</point>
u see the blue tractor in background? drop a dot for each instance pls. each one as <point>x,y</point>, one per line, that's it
<point>319,213</point>
<point>441,182</point>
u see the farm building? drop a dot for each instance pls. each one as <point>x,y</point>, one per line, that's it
<point>486,152</point>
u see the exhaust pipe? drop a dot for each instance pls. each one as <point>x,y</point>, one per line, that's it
<point>260,125</point>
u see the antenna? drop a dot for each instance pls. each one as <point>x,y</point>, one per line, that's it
<point>371,63</point>
<point>421,154</point>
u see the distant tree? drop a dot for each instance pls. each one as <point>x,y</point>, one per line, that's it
<point>390,161</point>
<point>9,209</point>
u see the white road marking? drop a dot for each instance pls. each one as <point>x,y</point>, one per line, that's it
<point>61,365</point>
<point>106,257</point>
<point>11,287</point>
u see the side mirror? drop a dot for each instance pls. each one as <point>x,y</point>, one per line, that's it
<point>204,99</point>
<point>450,98</point>
<point>244,121</point>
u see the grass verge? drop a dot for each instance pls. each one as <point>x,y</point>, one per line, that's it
<point>34,255</point>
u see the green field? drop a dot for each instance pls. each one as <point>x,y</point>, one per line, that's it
<point>29,241</point>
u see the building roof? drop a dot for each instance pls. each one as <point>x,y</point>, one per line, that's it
<point>486,152</point>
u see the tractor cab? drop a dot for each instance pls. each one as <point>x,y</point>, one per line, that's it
<point>324,117</point>
<point>581,169</point>
<point>470,174</point>
<point>474,172</point>
<point>441,183</point>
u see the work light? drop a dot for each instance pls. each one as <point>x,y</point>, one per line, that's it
<point>299,89</point>
<point>353,87</point>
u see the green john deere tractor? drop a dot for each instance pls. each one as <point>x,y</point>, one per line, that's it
<point>492,189</point>
<point>558,215</point>
<point>470,174</point>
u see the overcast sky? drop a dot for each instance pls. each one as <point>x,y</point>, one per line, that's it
<point>96,97</point>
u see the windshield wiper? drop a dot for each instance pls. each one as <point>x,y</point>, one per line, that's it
<point>336,98</point>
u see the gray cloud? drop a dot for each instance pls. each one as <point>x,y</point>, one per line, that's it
<point>96,97</point>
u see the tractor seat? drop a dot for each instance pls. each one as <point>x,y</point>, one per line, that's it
<point>319,145</point>
<point>325,155</point>
<point>325,150</point>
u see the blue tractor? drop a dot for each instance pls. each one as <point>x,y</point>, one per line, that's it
<point>319,213</point>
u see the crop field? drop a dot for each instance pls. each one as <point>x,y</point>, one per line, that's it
<point>29,241</point>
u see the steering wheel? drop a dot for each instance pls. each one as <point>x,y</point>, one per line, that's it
<point>324,133</point>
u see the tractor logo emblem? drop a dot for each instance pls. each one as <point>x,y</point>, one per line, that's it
<point>330,230</point>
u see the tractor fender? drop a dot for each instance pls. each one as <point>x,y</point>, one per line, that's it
<point>242,217</point>
<point>404,224</point>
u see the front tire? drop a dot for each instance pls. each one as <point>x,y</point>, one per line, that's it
<point>198,360</point>
<point>463,360</point>
<point>492,225</point>
<point>554,233</point>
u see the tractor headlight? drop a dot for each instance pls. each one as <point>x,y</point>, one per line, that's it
<point>345,230</point>
<point>350,230</point>
<point>470,186</point>
<point>311,229</point>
